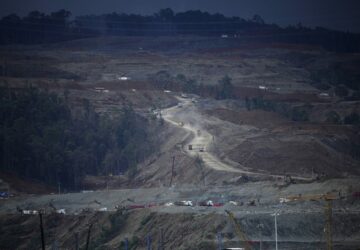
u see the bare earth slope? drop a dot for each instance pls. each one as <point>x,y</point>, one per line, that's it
<point>239,155</point>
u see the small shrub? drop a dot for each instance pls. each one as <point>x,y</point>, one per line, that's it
<point>333,117</point>
<point>299,114</point>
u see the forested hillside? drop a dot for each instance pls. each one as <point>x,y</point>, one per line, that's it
<point>38,27</point>
<point>41,139</point>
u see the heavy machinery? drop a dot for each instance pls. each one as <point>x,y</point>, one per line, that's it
<point>312,197</point>
<point>238,230</point>
<point>327,210</point>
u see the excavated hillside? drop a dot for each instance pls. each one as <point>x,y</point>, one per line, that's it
<point>285,137</point>
<point>175,231</point>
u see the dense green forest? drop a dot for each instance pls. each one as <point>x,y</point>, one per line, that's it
<point>38,27</point>
<point>41,139</point>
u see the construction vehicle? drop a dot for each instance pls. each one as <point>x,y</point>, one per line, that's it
<point>289,180</point>
<point>207,203</point>
<point>327,211</point>
<point>238,230</point>
<point>313,197</point>
<point>183,203</point>
<point>197,147</point>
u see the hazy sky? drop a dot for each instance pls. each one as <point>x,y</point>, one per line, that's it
<point>337,14</point>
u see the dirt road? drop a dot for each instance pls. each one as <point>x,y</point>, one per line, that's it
<point>186,116</point>
<point>267,198</point>
<point>202,140</point>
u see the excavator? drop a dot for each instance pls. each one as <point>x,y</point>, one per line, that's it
<point>239,232</point>
<point>328,198</point>
<point>327,210</point>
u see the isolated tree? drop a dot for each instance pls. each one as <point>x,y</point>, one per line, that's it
<point>300,113</point>
<point>166,14</point>
<point>35,16</point>
<point>247,103</point>
<point>60,16</point>
<point>190,86</point>
<point>225,88</point>
<point>258,19</point>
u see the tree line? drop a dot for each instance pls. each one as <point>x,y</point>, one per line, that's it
<point>41,138</point>
<point>38,27</point>
<point>340,78</point>
<point>225,89</point>
<point>163,80</point>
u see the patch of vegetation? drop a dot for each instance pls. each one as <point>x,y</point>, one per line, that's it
<point>333,117</point>
<point>260,103</point>
<point>40,138</point>
<point>352,119</point>
<point>300,113</point>
<point>146,219</point>
<point>132,243</point>
<point>338,76</point>
<point>355,150</point>
<point>341,91</point>
<point>225,89</point>
<point>205,245</point>
<point>354,97</point>
<point>117,222</point>
<point>34,243</point>
<point>322,86</point>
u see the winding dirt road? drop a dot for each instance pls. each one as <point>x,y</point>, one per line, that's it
<point>186,116</point>
<point>183,115</point>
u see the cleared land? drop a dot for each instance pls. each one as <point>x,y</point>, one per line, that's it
<point>238,154</point>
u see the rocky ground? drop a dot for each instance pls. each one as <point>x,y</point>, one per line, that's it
<point>239,160</point>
